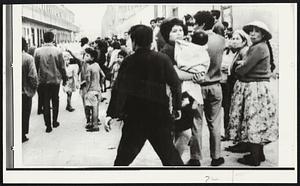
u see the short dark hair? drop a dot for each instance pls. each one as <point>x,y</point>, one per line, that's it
<point>48,37</point>
<point>216,13</point>
<point>92,52</point>
<point>225,24</point>
<point>84,41</point>
<point>167,25</point>
<point>115,45</point>
<point>199,37</point>
<point>152,20</point>
<point>142,35</point>
<point>123,41</point>
<point>24,45</point>
<point>206,18</point>
<point>122,53</point>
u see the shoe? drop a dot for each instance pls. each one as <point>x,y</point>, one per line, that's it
<point>48,129</point>
<point>238,148</point>
<point>193,162</point>
<point>93,129</point>
<point>249,160</point>
<point>24,138</point>
<point>55,124</point>
<point>261,157</point>
<point>217,162</point>
<point>224,138</point>
<point>89,126</point>
<point>70,109</point>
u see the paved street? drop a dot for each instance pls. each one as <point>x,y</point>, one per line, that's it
<point>71,145</point>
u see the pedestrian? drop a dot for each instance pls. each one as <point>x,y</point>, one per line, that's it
<point>211,88</point>
<point>51,71</point>
<point>84,43</point>
<point>172,30</point>
<point>31,51</point>
<point>139,99</point>
<point>72,71</point>
<point>101,48</point>
<point>160,42</point>
<point>93,90</point>
<point>253,111</point>
<point>116,66</point>
<point>218,27</point>
<point>29,87</point>
<point>239,45</point>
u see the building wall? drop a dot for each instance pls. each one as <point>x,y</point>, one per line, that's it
<point>39,18</point>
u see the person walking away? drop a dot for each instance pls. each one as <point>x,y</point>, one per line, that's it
<point>253,111</point>
<point>139,99</point>
<point>29,87</point>
<point>51,71</point>
<point>93,90</point>
<point>210,86</point>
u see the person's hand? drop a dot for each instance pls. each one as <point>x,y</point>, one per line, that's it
<point>197,78</point>
<point>177,114</point>
<point>107,124</point>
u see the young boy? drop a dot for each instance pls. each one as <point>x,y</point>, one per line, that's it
<point>93,89</point>
<point>116,66</point>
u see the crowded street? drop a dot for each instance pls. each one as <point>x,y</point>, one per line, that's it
<point>181,86</point>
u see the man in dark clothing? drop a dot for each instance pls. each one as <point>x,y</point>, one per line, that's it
<point>51,70</point>
<point>139,98</point>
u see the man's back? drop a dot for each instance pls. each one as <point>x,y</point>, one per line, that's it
<point>143,77</point>
<point>50,64</point>
<point>216,45</point>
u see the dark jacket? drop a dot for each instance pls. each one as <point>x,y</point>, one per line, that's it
<point>140,87</point>
<point>257,64</point>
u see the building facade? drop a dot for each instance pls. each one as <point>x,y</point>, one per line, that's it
<point>39,18</point>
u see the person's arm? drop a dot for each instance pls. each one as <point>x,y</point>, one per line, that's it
<point>37,61</point>
<point>32,74</point>
<point>254,55</point>
<point>88,78</point>
<point>62,68</point>
<point>184,76</point>
<point>174,82</point>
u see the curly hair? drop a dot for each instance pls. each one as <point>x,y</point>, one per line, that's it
<point>168,24</point>
<point>206,18</point>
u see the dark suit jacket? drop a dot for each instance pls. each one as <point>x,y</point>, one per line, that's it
<point>140,87</point>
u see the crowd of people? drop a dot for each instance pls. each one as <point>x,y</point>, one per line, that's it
<point>162,87</point>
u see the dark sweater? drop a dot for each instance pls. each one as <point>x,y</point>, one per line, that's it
<point>257,66</point>
<point>141,86</point>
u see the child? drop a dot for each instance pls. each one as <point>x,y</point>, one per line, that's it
<point>116,66</point>
<point>71,70</point>
<point>193,58</point>
<point>93,89</point>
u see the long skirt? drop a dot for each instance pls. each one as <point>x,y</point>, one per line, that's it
<point>253,113</point>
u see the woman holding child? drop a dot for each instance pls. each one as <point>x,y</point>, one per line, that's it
<point>253,112</point>
<point>171,30</point>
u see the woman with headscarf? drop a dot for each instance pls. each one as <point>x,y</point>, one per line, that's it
<point>237,49</point>
<point>253,111</point>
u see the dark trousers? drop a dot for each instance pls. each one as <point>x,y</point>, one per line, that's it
<point>136,131</point>
<point>26,110</point>
<point>50,92</point>
<point>227,91</point>
<point>40,99</point>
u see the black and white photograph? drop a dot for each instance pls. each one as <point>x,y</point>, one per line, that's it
<point>203,90</point>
